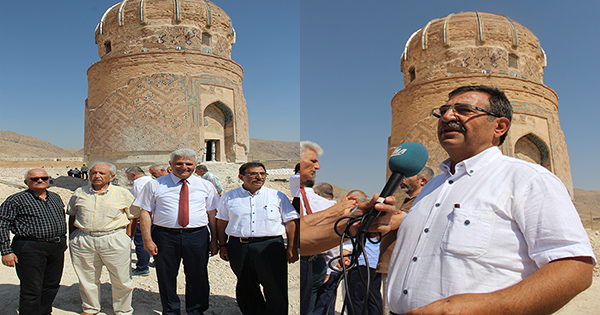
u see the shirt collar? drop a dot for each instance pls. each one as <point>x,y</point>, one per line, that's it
<point>93,191</point>
<point>249,193</point>
<point>176,179</point>
<point>473,164</point>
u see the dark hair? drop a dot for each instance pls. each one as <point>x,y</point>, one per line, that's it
<point>297,168</point>
<point>245,166</point>
<point>499,103</point>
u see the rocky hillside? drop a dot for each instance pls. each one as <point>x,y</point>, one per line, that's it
<point>13,144</point>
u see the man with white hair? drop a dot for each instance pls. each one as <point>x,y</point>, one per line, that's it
<point>181,207</point>
<point>139,179</point>
<point>317,230</point>
<point>101,224</point>
<point>157,171</point>
<point>36,217</point>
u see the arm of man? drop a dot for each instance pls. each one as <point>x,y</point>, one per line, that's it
<point>7,216</point>
<point>544,292</point>
<point>212,224</point>
<point>292,243</point>
<point>222,238</point>
<point>315,239</point>
<point>333,213</point>
<point>146,227</point>
<point>132,226</point>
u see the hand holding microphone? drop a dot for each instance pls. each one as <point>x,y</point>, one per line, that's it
<point>407,160</point>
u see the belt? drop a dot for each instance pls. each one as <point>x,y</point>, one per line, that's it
<point>56,239</point>
<point>102,233</point>
<point>245,240</point>
<point>312,257</point>
<point>181,231</point>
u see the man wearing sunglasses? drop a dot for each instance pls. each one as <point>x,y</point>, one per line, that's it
<point>36,217</point>
<point>254,218</point>
<point>491,234</point>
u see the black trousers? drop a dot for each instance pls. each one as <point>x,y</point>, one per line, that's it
<point>260,263</point>
<point>358,291</point>
<point>192,248</point>
<point>39,270</point>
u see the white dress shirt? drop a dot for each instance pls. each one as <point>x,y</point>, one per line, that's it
<point>317,203</point>
<point>295,185</point>
<point>161,198</point>
<point>259,215</point>
<point>138,184</point>
<point>492,223</point>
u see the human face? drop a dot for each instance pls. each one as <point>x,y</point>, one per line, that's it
<point>200,172</point>
<point>183,167</point>
<point>100,176</point>
<point>464,137</point>
<point>253,183</point>
<point>409,184</point>
<point>309,164</point>
<point>38,185</point>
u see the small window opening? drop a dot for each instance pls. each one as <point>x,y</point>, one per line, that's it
<point>107,47</point>
<point>412,74</point>
<point>513,61</point>
<point>205,39</point>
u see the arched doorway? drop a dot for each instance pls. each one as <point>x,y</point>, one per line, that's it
<point>215,119</point>
<point>532,149</point>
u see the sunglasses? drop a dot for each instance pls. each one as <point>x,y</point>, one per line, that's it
<point>35,179</point>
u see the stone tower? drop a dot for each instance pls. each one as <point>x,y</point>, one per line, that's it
<point>473,48</point>
<point>165,80</point>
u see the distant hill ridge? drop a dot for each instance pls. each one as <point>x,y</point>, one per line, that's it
<point>13,144</point>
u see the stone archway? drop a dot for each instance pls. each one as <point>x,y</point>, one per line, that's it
<point>216,118</point>
<point>532,149</point>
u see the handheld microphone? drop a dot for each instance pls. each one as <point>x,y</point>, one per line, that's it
<point>407,160</point>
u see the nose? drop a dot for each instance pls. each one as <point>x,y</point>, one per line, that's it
<point>449,115</point>
<point>317,166</point>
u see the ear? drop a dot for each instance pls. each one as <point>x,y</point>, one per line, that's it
<point>241,177</point>
<point>502,126</point>
<point>423,181</point>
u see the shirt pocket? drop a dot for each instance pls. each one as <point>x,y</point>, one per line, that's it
<point>273,212</point>
<point>468,232</point>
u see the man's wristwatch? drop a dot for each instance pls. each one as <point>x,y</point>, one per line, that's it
<point>219,245</point>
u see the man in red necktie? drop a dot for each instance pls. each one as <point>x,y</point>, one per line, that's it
<point>180,206</point>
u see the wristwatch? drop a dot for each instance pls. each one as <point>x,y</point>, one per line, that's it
<point>219,245</point>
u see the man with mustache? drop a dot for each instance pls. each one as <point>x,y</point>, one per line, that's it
<point>182,208</point>
<point>36,217</point>
<point>491,234</point>
<point>101,224</point>
<point>251,220</point>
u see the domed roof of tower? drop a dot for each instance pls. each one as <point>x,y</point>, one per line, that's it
<point>142,26</point>
<point>472,42</point>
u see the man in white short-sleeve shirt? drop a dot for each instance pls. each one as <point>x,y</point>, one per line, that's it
<point>251,220</point>
<point>492,234</point>
<point>180,231</point>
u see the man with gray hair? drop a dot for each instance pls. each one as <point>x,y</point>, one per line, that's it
<point>202,171</point>
<point>324,190</point>
<point>157,171</point>
<point>36,217</point>
<point>182,208</point>
<point>101,224</point>
<point>139,179</point>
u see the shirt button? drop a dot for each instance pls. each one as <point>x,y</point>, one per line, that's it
<point>467,222</point>
<point>414,259</point>
<point>426,230</point>
<point>437,204</point>
<point>450,182</point>
<point>405,292</point>
<point>471,171</point>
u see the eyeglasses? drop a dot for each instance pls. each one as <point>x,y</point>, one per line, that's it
<point>35,179</point>
<point>464,110</point>
<point>254,174</point>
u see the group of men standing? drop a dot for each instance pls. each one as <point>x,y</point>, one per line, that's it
<point>490,234</point>
<point>178,222</point>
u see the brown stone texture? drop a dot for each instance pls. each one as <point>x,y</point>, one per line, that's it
<point>473,48</point>
<point>165,81</point>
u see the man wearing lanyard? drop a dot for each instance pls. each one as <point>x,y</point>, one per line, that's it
<point>180,206</point>
<point>255,218</point>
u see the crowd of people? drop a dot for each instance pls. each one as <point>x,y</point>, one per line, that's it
<point>490,234</point>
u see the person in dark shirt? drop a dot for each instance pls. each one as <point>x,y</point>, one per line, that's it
<point>36,217</point>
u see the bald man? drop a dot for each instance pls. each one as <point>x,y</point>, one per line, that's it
<point>36,217</point>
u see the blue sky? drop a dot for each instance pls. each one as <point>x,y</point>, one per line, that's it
<point>334,64</point>
<point>47,47</point>
<point>350,70</point>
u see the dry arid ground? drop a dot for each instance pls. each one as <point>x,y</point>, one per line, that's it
<point>279,158</point>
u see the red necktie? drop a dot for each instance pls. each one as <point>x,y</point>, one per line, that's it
<point>305,199</point>
<point>184,204</point>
